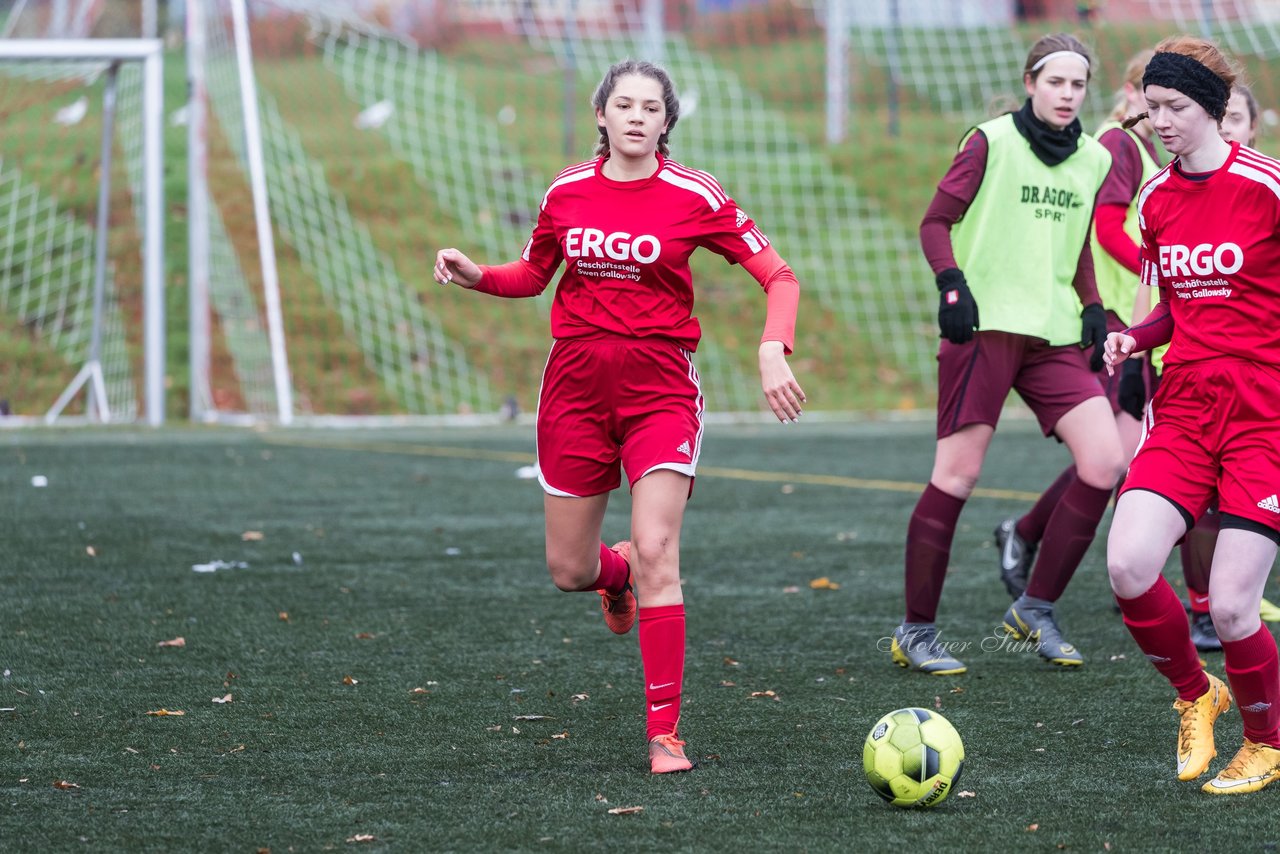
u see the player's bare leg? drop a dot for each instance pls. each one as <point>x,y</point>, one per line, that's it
<point>657,515</point>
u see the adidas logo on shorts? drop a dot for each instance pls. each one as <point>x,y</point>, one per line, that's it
<point>684,449</point>
<point>741,218</point>
<point>1260,706</point>
<point>1270,503</point>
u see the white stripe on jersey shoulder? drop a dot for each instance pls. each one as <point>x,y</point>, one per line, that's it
<point>1254,173</point>
<point>1156,180</point>
<point>695,182</point>
<point>1258,167</point>
<point>1256,158</point>
<point>577,172</point>
<point>698,175</point>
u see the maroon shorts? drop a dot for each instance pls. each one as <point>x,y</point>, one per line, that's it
<point>975,379</point>
<point>610,402</point>
<point>1214,429</point>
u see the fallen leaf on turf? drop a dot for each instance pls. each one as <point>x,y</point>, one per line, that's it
<point>824,583</point>
<point>364,635</point>
<point>65,784</point>
<point>419,691</point>
<point>966,795</point>
<point>791,589</point>
<point>494,728</point>
<point>284,616</point>
<point>1119,657</point>
<point>362,837</point>
<point>251,536</point>
<point>626,810</point>
<point>515,730</point>
<point>578,698</point>
<point>725,683</point>
<point>174,642</point>
<point>23,779</point>
<point>937,702</point>
<point>561,735</point>
<point>91,551</point>
<point>730,662</point>
<point>959,689</point>
<point>532,718</point>
<point>166,713</point>
<point>601,798</point>
<point>221,700</point>
<point>1032,828</point>
<point>131,750</point>
<point>773,694</point>
<point>347,680</point>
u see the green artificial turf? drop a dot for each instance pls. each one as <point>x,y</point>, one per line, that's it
<point>419,566</point>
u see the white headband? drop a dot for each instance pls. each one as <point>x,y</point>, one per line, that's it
<point>1060,53</point>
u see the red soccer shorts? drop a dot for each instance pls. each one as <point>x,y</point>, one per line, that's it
<point>1214,428</point>
<point>974,380</point>
<point>611,401</point>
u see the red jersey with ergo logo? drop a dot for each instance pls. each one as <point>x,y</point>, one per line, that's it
<point>626,248</point>
<point>1213,248</point>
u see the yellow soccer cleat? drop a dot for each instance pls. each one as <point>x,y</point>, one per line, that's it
<point>1269,612</point>
<point>1195,728</point>
<point>1254,767</point>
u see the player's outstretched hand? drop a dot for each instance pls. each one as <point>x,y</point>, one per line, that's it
<point>453,266</point>
<point>1118,348</point>
<point>780,387</point>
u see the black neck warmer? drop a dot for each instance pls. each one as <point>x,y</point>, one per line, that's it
<point>1050,145</point>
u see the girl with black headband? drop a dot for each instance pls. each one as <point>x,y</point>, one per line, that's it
<point>1007,236</point>
<point>1210,226</point>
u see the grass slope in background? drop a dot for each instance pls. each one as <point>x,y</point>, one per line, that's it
<point>420,567</point>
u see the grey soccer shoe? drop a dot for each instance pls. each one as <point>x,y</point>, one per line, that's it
<point>1203,633</point>
<point>915,646</point>
<point>1016,556</point>
<point>1033,620</point>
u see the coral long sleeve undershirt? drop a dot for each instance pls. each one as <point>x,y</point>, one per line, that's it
<point>1114,240</point>
<point>514,280</point>
<point>782,291</point>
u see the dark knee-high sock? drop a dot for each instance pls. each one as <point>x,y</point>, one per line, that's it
<point>929,535</point>
<point>1031,527</point>
<point>1159,625</point>
<point>1071,530</point>
<point>662,653</point>
<point>1197,557</point>
<point>1253,669</point>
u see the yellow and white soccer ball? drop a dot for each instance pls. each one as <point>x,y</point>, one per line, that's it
<point>913,758</point>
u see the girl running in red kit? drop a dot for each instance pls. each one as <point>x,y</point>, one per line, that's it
<point>1007,235</point>
<point>619,388</point>
<point>1210,224</point>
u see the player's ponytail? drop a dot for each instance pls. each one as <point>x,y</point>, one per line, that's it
<point>644,69</point>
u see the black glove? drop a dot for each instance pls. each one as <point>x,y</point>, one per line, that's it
<point>957,312</point>
<point>1093,331</point>
<point>1133,388</point>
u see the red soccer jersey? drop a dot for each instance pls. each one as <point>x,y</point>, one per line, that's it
<point>627,246</point>
<point>1213,248</point>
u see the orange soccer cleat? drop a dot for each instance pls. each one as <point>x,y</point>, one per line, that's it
<point>666,755</point>
<point>620,608</point>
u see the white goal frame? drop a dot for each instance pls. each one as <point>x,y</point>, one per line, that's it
<point>150,53</point>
